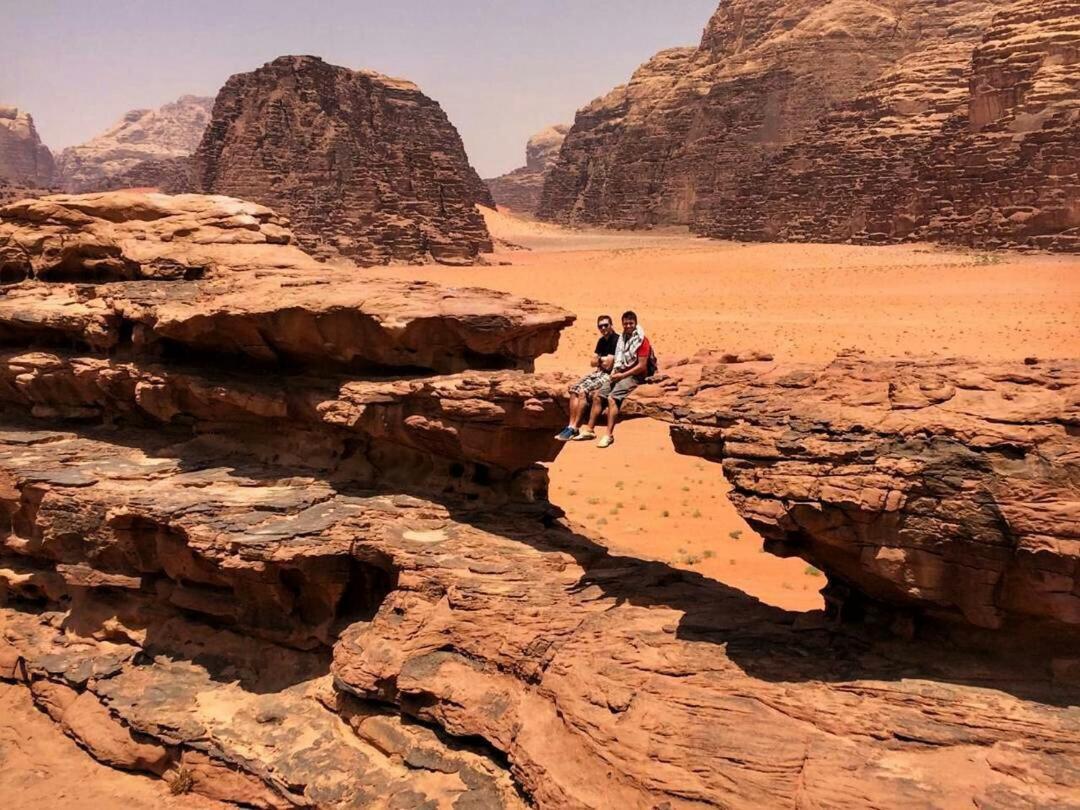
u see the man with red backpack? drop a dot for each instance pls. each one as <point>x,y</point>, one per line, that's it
<point>635,361</point>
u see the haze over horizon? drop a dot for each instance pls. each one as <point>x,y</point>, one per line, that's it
<point>501,71</point>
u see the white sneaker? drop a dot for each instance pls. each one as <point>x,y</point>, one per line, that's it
<point>606,441</point>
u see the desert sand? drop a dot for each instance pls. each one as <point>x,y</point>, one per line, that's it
<point>41,767</point>
<point>797,301</point>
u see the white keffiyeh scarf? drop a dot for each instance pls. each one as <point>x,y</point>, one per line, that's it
<point>627,348</point>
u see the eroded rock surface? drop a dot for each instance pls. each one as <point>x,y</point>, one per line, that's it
<point>139,150</point>
<point>298,584</point>
<point>941,486</point>
<point>869,122</point>
<point>213,274</point>
<point>1005,169</point>
<point>575,666</point>
<point>24,159</point>
<point>365,166</point>
<point>520,189</point>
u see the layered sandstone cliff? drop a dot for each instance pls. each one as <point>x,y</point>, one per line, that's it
<point>692,119</point>
<point>365,166</point>
<point>1005,169</point>
<point>24,159</point>
<point>138,150</point>
<point>261,541</point>
<point>520,189</point>
<point>844,120</point>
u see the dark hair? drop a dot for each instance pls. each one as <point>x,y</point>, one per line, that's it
<point>629,314</point>
<point>605,318</point>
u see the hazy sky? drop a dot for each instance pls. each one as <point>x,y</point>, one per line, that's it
<point>502,69</point>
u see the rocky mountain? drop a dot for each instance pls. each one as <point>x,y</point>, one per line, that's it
<point>520,189</point>
<point>24,159</point>
<point>366,166</point>
<point>131,153</point>
<point>278,533</point>
<point>842,120</point>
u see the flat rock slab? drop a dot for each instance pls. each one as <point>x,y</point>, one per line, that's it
<point>503,419</point>
<point>152,273</point>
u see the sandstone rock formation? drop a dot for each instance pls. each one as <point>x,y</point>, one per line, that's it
<point>520,189</point>
<point>287,584</point>
<point>692,120</point>
<point>142,149</point>
<point>945,487</point>
<point>365,166</point>
<point>609,171</point>
<point>1005,169</point>
<point>842,121</point>
<point>24,159</point>
<point>221,274</point>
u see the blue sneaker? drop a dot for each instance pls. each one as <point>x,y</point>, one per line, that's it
<point>567,434</point>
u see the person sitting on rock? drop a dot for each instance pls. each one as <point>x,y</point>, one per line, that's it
<point>581,392</point>
<point>634,362</point>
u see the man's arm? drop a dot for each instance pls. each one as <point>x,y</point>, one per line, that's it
<point>595,361</point>
<point>636,370</point>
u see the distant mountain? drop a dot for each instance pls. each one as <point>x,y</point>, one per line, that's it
<point>364,165</point>
<point>520,189</point>
<point>24,159</point>
<point>139,150</point>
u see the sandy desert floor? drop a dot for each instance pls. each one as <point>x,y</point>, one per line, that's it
<point>804,302</point>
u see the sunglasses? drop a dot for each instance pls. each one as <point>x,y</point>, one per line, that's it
<point>603,326</point>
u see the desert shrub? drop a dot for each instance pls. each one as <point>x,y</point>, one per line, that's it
<point>183,782</point>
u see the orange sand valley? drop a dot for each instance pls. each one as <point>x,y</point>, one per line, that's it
<point>799,301</point>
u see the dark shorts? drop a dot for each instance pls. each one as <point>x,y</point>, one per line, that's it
<point>590,383</point>
<point>620,390</point>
